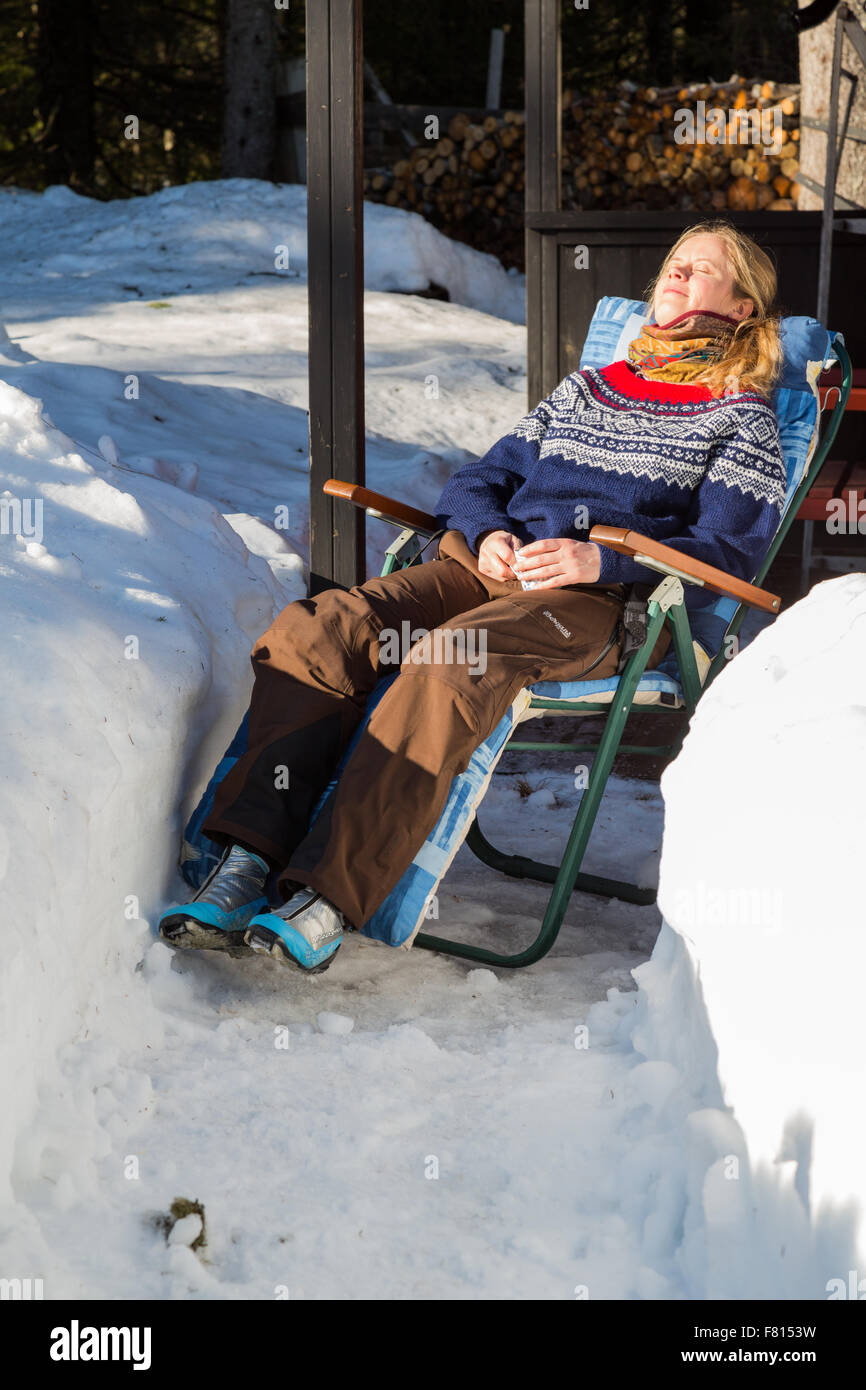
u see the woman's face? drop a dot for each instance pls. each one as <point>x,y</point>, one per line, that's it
<point>697,277</point>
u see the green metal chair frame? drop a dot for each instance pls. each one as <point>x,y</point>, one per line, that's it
<point>666,604</point>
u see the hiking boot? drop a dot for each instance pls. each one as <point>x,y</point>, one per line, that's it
<point>222,908</point>
<point>305,932</point>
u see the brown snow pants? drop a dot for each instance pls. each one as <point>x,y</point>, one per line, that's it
<point>483,641</point>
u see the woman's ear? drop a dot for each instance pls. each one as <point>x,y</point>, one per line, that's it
<point>743,309</point>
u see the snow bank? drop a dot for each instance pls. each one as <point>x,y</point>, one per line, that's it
<point>235,231</point>
<point>129,609</point>
<point>750,1011</point>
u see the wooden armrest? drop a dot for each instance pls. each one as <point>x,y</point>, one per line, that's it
<point>380,505</point>
<point>638,546</point>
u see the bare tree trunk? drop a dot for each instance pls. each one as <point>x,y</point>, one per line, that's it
<point>249,114</point>
<point>816,56</point>
<point>66,91</point>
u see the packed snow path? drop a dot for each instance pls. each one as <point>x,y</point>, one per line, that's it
<point>468,1138</point>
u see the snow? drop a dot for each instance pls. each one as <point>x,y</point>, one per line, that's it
<point>185,1231</point>
<point>771,950</point>
<point>168,337</point>
<point>338,1025</point>
<point>227,232</point>
<point>128,624</point>
<point>406,1124</point>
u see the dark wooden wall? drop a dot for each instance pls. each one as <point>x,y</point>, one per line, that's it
<point>625,249</point>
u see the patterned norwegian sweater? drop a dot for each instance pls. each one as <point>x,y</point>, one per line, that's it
<point>705,475</point>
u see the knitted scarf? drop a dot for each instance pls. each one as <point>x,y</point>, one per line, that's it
<point>682,349</point>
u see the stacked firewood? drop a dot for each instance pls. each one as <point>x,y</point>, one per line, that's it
<point>469,182</point>
<point>641,150</point>
<point>620,148</point>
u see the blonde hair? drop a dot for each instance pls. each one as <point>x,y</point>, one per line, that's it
<point>753,359</point>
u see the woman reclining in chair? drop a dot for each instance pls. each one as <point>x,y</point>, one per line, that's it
<point>677,442</point>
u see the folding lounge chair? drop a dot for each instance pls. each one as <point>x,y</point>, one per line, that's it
<point>701,643</point>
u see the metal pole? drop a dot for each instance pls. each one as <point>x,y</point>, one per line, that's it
<point>543,84</point>
<point>831,169</point>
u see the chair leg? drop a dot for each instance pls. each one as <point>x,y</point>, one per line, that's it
<point>520,866</point>
<point>566,875</point>
<point>806,556</point>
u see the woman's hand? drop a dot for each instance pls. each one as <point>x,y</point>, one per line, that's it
<point>496,554</point>
<point>552,563</point>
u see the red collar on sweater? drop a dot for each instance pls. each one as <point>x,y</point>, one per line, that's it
<point>623,377</point>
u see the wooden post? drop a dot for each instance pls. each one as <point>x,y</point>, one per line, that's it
<point>335,279</point>
<point>831,170</point>
<point>543,79</point>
